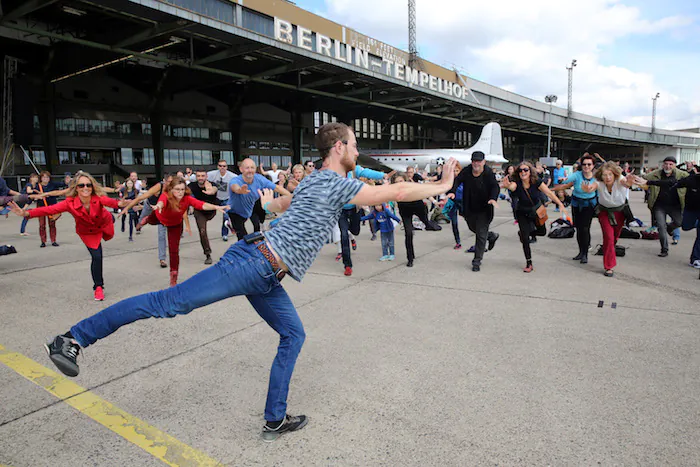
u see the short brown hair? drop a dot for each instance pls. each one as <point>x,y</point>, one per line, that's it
<point>328,135</point>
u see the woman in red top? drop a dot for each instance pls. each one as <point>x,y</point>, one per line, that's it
<point>86,201</point>
<point>169,211</point>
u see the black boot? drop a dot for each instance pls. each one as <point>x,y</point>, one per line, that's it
<point>584,258</point>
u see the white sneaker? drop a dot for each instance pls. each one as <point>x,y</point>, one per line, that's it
<point>696,264</point>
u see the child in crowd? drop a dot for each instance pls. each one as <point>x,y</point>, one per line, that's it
<point>384,218</point>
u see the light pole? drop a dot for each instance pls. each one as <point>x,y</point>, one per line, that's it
<point>653,112</point>
<point>571,86</point>
<point>550,99</point>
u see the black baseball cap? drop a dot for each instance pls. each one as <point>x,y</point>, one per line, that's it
<point>670,159</point>
<point>478,156</point>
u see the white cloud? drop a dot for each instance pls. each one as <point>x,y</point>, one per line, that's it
<point>524,46</point>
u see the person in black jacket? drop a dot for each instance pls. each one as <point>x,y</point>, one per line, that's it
<point>479,199</point>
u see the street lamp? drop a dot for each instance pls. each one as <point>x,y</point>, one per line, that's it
<point>570,69</point>
<point>653,112</point>
<point>550,99</point>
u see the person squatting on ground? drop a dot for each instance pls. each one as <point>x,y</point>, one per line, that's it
<point>169,212</point>
<point>527,188</point>
<point>383,217</point>
<point>244,195</point>
<point>691,208</point>
<point>204,191</point>
<point>86,202</point>
<point>664,200</point>
<point>583,204</point>
<point>479,199</point>
<point>611,187</point>
<point>255,266</point>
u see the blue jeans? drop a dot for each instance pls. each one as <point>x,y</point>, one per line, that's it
<point>453,215</point>
<point>242,270</point>
<point>23,228</point>
<point>224,229</point>
<point>691,220</point>
<point>162,230</point>
<point>388,243</point>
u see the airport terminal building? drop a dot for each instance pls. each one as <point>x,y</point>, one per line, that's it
<point>111,86</point>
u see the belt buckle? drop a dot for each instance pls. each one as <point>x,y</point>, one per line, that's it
<point>280,274</point>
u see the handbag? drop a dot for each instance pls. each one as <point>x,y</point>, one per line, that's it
<point>541,211</point>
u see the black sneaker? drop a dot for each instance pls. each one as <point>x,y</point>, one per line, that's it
<point>492,241</point>
<point>54,244</point>
<point>476,268</point>
<point>63,352</point>
<point>290,423</point>
<point>663,254</point>
<point>208,260</point>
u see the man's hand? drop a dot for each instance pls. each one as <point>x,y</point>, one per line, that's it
<point>493,203</point>
<point>448,173</point>
<point>266,196</point>
<point>389,175</point>
<point>451,195</point>
<point>243,190</point>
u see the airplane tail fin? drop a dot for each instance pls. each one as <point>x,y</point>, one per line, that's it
<point>490,141</point>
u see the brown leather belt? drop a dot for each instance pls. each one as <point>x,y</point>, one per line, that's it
<point>279,272</point>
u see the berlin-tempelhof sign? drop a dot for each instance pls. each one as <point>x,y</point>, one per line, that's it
<point>384,59</point>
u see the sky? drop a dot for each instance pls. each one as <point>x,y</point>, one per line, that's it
<point>627,51</point>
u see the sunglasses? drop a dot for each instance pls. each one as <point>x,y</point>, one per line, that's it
<point>84,185</point>
<point>224,166</point>
<point>587,164</point>
<point>523,170</point>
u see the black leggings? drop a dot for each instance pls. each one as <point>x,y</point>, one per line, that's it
<point>96,266</point>
<point>239,224</point>
<point>527,229</point>
<point>407,211</point>
<point>582,218</point>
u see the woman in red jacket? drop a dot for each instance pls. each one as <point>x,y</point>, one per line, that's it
<point>169,211</point>
<point>86,201</point>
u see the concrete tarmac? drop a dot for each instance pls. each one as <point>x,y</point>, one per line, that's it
<point>430,365</point>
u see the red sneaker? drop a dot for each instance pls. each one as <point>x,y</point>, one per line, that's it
<point>457,246</point>
<point>339,257</point>
<point>99,294</point>
<point>348,271</point>
<point>354,244</point>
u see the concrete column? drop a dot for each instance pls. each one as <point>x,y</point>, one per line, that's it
<point>235,121</point>
<point>47,122</point>
<point>297,135</point>
<point>157,142</point>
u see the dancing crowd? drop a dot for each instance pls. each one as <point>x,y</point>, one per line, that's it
<point>312,205</point>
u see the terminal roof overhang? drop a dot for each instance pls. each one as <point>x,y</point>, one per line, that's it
<point>237,66</point>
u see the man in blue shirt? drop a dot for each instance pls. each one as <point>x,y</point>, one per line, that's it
<point>244,193</point>
<point>559,176</point>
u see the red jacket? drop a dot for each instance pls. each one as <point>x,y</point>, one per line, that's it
<point>91,226</point>
<point>170,218</point>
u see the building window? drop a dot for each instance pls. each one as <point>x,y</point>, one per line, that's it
<point>38,157</point>
<point>127,156</point>
<point>228,157</point>
<point>225,137</point>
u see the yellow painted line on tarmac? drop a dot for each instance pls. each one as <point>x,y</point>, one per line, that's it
<point>136,431</point>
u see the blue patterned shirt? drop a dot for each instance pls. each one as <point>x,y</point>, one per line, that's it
<point>304,228</point>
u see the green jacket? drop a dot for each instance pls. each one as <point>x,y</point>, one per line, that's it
<point>654,190</point>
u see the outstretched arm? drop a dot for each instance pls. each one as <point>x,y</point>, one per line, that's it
<point>372,195</point>
<point>550,194</point>
<point>152,191</point>
<point>272,204</point>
